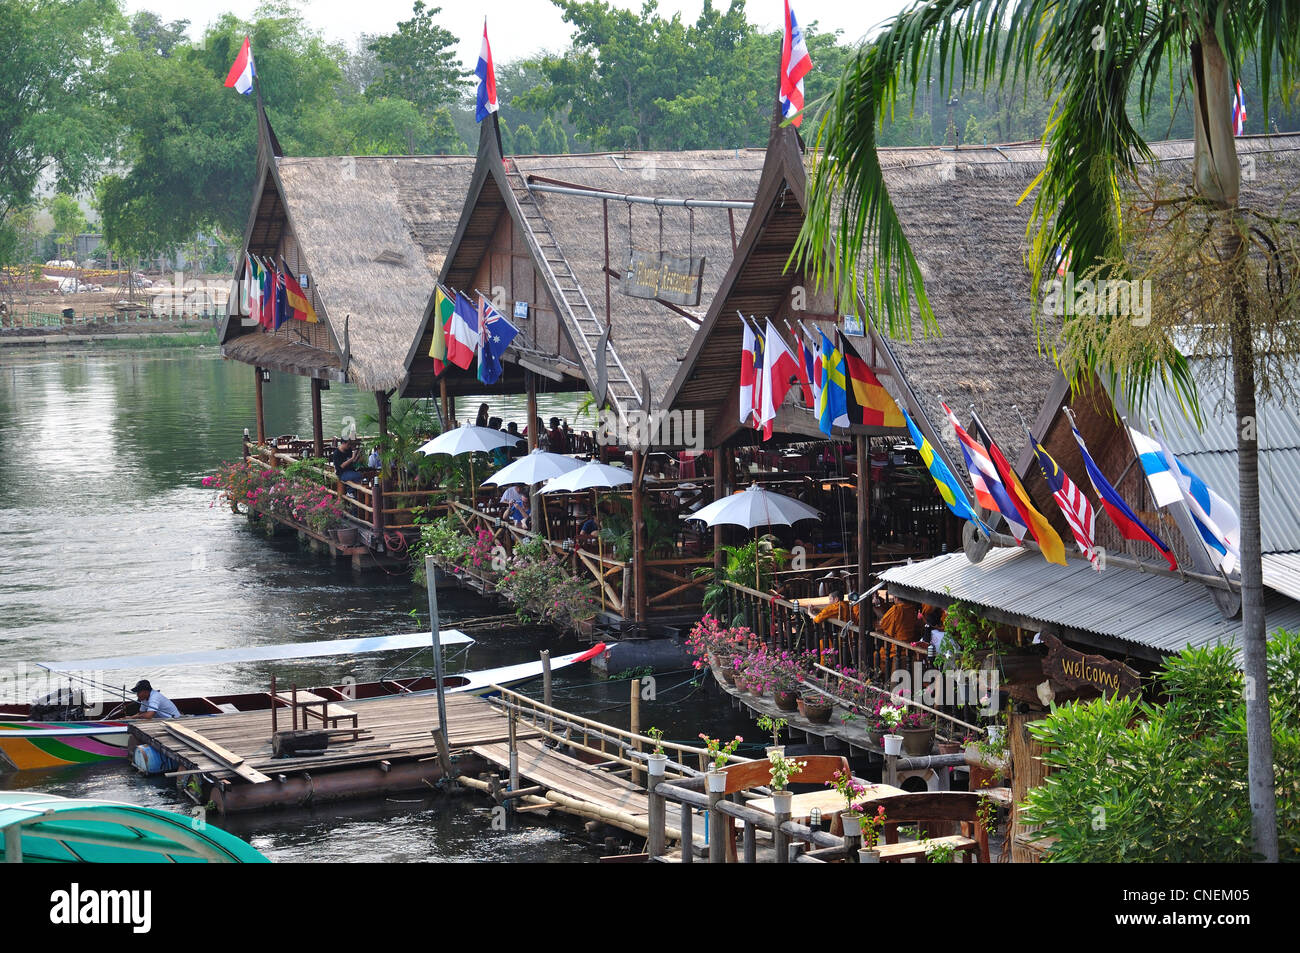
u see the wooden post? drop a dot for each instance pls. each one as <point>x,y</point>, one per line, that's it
<point>657,807</point>
<point>891,770</point>
<point>717,831</point>
<point>1028,770</point>
<point>435,638</point>
<point>537,513</point>
<point>638,534</point>
<point>780,839</point>
<point>721,478</point>
<point>864,516</point>
<point>688,833</point>
<point>317,425</point>
<point>446,409</point>
<point>634,725</point>
<point>275,724</point>
<point>261,413</point>
<point>748,843</point>
<point>546,685</point>
<point>514,753</point>
<point>377,501</point>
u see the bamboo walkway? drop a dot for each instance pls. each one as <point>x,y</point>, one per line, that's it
<point>585,789</point>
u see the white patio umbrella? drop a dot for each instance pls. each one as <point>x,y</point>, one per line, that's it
<point>535,467</point>
<point>754,507</point>
<point>592,476</point>
<point>469,439</point>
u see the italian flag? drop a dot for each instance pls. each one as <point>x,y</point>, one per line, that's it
<point>241,73</point>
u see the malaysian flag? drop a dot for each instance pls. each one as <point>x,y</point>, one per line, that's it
<point>1072,501</point>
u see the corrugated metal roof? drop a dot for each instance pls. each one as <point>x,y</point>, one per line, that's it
<point>1211,453</point>
<point>1160,612</point>
<point>1282,572</point>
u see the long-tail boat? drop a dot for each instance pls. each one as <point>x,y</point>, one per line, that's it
<point>55,732</point>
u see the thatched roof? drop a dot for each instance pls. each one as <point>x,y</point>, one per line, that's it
<point>647,336</point>
<point>371,232</point>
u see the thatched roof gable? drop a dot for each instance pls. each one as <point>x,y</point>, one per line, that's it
<point>371,231</point>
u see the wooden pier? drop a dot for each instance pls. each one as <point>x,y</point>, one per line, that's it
<point>230,760</point>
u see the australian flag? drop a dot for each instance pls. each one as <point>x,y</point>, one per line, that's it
<point>495,335</point>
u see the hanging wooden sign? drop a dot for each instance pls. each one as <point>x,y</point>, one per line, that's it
<point>1071,672</point>
<point>657,275</point>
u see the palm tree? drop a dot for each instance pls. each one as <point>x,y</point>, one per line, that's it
<point>1096,55</point>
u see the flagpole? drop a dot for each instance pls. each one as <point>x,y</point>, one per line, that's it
<point>1125,541</point>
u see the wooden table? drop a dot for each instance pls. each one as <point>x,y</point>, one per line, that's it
<point>828,802</point>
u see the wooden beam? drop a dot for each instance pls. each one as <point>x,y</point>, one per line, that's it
<point>216,752</point>
<point>317,425</point>
<point>261,414</point>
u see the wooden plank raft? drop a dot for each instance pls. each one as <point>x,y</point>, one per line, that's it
<point>215,751</point>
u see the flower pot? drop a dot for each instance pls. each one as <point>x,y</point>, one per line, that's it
<point>917,741</point>
<point>781,801</point>
<point>871,856</point>
<point>995,734</point>
<point>786,701</point>
<point>893,744</point>
<point>656,765</point>
<point>727,672</point>
<point>949,747</point>
<point>346,536</point>
<point>852,822</point>
<point>818,714</point>
<point>716,781</point>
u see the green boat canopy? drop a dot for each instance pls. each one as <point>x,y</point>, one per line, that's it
<point>45,828</point>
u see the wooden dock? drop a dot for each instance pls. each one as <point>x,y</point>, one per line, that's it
<point>229,760</point>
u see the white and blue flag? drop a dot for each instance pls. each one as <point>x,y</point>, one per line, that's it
<point>1215,518</point>
<point>1159,470</point>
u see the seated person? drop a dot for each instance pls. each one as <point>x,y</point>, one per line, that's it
<point>153,703</point>
<point>559,443</point>
<point>374,461</point>
<point>516,505</point>
<point>346,459</point>
<point>588,531</point>
<point>836,608</point>
<point>899,621</point>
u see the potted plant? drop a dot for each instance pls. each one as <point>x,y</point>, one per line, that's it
<point>849,788</point>
<point>917,729</point>
<point>719,752</point>
<point>782,770</point>
<point>656,760</point>
<point>871,826</point>
<point>890,717</point>
<point>774,725</point>
<point>815,706</point>
<point>785,681</point>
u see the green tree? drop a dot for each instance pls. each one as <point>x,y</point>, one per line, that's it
<point>53,60</point>
<point>551,140</point>
<point>157,37</point>
<point>1161,783</point>
<point>1094,55</point>
<point>418,63</point>
<point>525,143</point>
<point>69,220</point>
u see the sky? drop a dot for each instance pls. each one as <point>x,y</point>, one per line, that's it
<point>516,28</point>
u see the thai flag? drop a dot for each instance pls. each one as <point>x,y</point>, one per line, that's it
<point>1238,112</point>
<point>487,80</point>
<point>795,65</point>
<point>241,73</point>
<point>1130,527</point>
<point>989,491</point>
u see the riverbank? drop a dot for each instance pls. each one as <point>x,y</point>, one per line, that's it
<point>138,337</point>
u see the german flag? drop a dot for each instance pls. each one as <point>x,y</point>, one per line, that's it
<point>869,402</point>
<point>299,303</point>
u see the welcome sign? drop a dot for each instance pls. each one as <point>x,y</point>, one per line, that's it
<point>657,275</point>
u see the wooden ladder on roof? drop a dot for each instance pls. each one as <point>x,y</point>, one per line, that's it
<point>575,310</point>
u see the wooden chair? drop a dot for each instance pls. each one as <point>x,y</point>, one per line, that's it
<point>938,806</point>
<point>820,768</point>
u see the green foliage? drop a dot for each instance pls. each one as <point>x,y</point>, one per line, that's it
<point>755,561</point>
<point>418,63</point>
<point>69,219</point>
<point>1133,781</point>
<point>524,142</point>
<point>154,36</point>
<point>53,65</point>
<point>410,426</point>
<point>551,139</point>
<point>543,590</point>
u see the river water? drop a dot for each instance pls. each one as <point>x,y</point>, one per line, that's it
<point>113,547</point>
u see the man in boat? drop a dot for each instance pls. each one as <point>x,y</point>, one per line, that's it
<point>153,703</point>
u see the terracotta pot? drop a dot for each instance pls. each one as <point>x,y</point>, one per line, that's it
<point>786,701</point>
<point>817,714</point>
<point>916,741</point>
<point>949,747</point>
<point>347,536</point>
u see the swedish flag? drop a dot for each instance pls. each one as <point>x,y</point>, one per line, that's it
<point>949,488</point>
<point>833,402</point>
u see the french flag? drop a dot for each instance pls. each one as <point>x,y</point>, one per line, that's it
<point>795,65</point>
<point>487,81</point>
<point>241,73</point>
